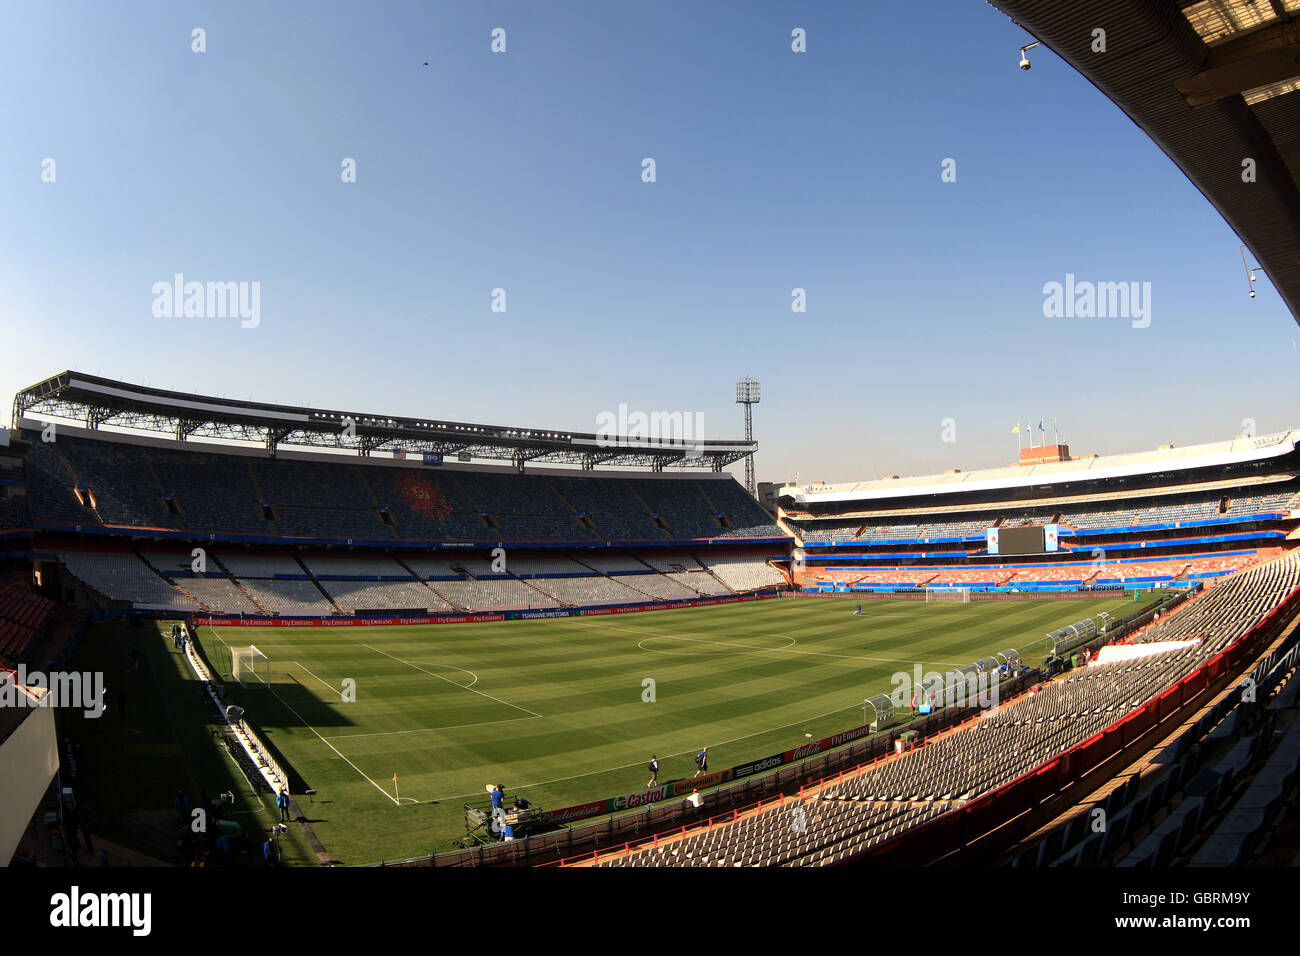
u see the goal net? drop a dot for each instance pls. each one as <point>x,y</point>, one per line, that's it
<point>960,595</point>
<point>251,664</point>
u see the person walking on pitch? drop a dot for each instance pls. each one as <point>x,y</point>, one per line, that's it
<point>654,772</point>
<point>702,761</point>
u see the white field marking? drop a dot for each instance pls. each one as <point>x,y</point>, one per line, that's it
<point>337,690</point>
<point>453,667</point>
<point>254,794</point>
<point>593,773</point>
<point>318,736</point>
<point>430,730</point>
<point>629,766</point>
<point>452,682</point>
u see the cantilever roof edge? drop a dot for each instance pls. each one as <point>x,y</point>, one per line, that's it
<point>1150,47</point>
<point>73,388</point>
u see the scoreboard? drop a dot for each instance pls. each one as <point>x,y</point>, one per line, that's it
<point>1039,539</point>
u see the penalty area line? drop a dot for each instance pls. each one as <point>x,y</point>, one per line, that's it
<point>319,737</point>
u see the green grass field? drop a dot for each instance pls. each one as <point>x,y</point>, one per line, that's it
<point>554,709</point>
<point>129,765</point>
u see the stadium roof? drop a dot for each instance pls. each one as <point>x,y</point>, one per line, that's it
<point>94,401</point>
<point>1238,451</point>
<point>1215,83</point>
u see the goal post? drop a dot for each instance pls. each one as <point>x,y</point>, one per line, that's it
<point>249,662</point>
<point>936,595</point>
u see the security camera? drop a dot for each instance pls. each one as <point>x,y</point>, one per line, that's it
<point>1024,50</point>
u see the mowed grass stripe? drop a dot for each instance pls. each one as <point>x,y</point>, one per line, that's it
<point>742,696</point>
<point>401,700</point>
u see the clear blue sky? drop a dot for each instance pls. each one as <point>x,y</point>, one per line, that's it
<point>522,170</point>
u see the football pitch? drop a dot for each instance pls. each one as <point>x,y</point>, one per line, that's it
<point>569,710</point>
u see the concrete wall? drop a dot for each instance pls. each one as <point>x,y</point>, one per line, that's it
<point>28,761</point>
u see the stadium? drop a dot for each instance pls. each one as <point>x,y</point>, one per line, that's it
<point>244,633</point>
<point>362,624</point>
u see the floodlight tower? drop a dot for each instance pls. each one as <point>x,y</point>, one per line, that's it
<point>747,394</point>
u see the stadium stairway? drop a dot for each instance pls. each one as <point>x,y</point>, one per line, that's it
<point>784,572</point>
<point>648,511</point>
<point>455,605</point>
<point>442,594</point>
<point>147,563</point>
<point>696,559</point>
<point>162,488</point>
<point>311,576</point>
<point>464,490</point>
<point>370,490</point>
<point>624,582</point>
<point>261,496</point>
<point>545,596</point>
<point>77,482</point>
<point>390,527</point>
<point>67,465</point>
<point>240,586</point>
<point>559,494</point>
<point>713,507</point>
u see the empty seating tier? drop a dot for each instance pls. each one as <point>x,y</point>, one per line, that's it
<point>83,481</point>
